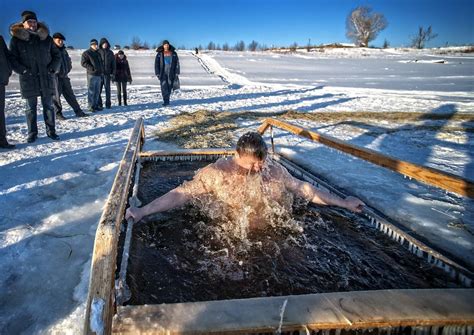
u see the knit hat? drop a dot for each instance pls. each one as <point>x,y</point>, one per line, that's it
<point>28,15</point>
<point>165,42</point>
<point>60,36</point>
<point>120,52</point>
<point>94,41</point>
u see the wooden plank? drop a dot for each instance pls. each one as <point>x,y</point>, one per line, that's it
<point>431,176</point>
<point>209,151</point>
<point>342,310</point>
<point>101,284</point>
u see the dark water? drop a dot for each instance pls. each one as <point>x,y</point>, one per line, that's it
<point>181,256</point>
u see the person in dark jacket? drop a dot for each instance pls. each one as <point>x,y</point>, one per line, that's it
<point>36,59</point>
<point>5,73</point>
<point>108,58</point>
<point>166,69</point>
<point>92,61</point>
<point>122,76</point>
<point>63,83</point>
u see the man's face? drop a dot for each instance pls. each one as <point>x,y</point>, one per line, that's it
<point>94,46</point>
<point>250,163</point>
<point>166,47</point>
<point>30,25</point>
<point>59,42</point>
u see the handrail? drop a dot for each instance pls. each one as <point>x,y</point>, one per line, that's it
<point>431,176</point>
<point>100,300</point>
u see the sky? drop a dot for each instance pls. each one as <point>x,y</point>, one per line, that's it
<point>187,23</point>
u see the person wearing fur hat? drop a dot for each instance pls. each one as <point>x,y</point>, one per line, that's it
<point>166,69</point>
<point>5,73</point>
<point>122,76</point>
<point>92,62</point>
<point>63,83</point>
<point>108,59</point>
<point>36,59</point>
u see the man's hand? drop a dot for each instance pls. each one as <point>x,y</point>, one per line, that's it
<point>133,213</point>
<point>354,204</point>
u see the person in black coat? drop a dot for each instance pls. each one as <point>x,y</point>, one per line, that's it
<point>36,59</point>
<point>122,76</point>
<point>92,62</point>
<point>108,58</point>
<point>63,83</point>
<point>166,69</point>
<point>5,73</point>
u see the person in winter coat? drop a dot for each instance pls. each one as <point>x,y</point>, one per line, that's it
<point>108,58</point>
<point>36,59</point>
<point>166,69</point>
<point>122,76</point>
<point>92,62</point>
<point>5,73</point>
<point>63,83</point>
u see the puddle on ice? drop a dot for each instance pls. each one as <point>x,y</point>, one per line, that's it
<point>204,251</point>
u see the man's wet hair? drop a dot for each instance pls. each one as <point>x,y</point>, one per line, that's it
<point>252,144</point>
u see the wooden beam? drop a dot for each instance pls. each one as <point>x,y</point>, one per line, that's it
<point>431,176</point>
<point>196,152</point>
<point>100,299</point>
<point>341,310</point>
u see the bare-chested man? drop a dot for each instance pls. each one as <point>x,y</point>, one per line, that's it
<point>245,184</point>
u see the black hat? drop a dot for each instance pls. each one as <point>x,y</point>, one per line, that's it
<point>60,36</point>
<point>94,41</point>
<point>120,52</point>
<point>28,15</point>
<point>165,42</point>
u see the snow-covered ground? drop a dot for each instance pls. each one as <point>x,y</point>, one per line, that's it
<point>52,193</point>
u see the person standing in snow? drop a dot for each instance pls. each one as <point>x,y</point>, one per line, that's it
<point>166,69</point>
<point>108,59</point>
<point>36,59</point>
<point>5,73</point>
<point>92,61</point>
<point>122,76</point>
<point>63,83</point>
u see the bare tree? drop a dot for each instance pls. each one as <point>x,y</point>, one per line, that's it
<point>145,46</point>
<point>225,46</point>
<point>136,43</point>
<point>218,47</point>
<point>363,26</point>
<point>253,46</point>
<point>239,46</point>
<point>294,46</point>
<point>424,35</point>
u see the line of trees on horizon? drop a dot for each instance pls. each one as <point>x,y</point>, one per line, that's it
<point>362,27</point>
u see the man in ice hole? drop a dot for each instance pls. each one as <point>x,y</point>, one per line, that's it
<point>247,184</point>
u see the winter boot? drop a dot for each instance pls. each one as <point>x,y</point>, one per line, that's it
<point>60,116</point>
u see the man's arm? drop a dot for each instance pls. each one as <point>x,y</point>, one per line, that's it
<point>312,194</point>
<point>170,200</point>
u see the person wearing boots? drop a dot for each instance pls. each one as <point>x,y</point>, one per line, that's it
<point>92,62</point>
<point>5,73</point>
<point>122,76</point>
<point>36,59</point>
<point>166,69</point>
<point>63,83</point>
<point>108,59</point>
